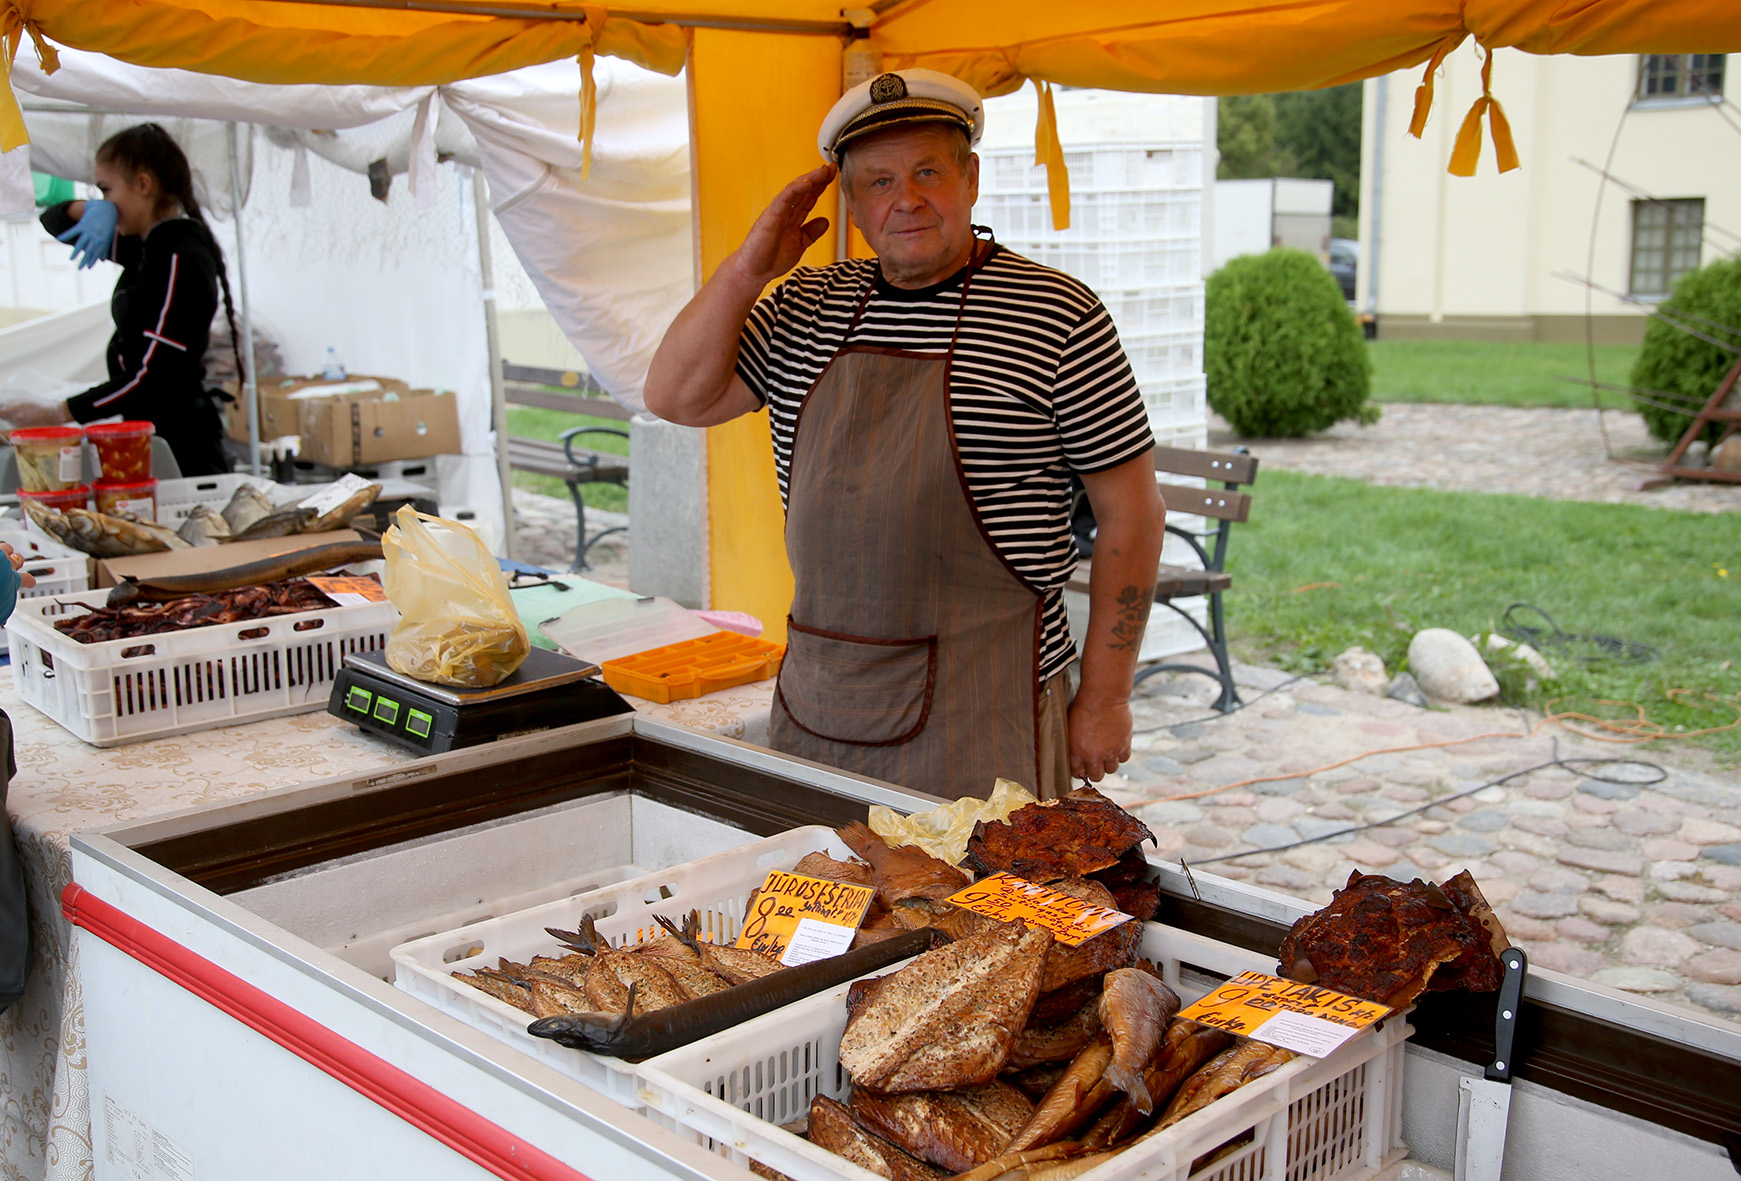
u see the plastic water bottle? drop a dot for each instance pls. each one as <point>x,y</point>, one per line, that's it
<point>333,370</point>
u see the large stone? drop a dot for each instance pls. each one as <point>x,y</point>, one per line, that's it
<point>1715,967</point>
<point>1637,979</point>
<point>1656,947</point>
<point>1462,844</point>
<point>1723,934</point>
<point>1545,906</point>
<point>1523,654</point>
<point>1484,821</point>
<point>1599,838</point>
<point>1716,997</point>
<point>1639,823</point>
<point>1449,667</point>
<point>1691,892</point>
<point>1359,671</point>
<point>1606,910</point>
<point>1603,861</point>
<point>1698,830</point>
<point>1406,689</point>
<point>1724,854</point>
<point>1563,957</point>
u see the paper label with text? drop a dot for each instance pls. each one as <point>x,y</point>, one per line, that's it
<point>349,590</point>
<point>1300,1017</point>
<point>787,902</point>
<point>1007,898</point>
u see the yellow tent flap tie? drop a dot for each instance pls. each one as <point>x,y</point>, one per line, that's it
<point>13,25</point>
<point>1050,152</point>
<point>1467,151</point>
<point>1424,92</point>
<point>595,23</point>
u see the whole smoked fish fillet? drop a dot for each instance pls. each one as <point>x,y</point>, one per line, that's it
<point>903,871</point>
<point>957,1130</point>
<point>1135,1009</point>
<point>832,1127</point>
<point>1384,940</point>
<point>949,1018</point>
<point>1092,957</point>
<point>1068,837</point>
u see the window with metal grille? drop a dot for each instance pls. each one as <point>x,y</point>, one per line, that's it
<point>1666,236</point>
<point>1680,75</point>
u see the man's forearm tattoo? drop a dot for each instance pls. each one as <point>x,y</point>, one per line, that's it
<point>1133,616</point>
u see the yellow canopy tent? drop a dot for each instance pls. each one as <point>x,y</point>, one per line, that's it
<point>763,72</point>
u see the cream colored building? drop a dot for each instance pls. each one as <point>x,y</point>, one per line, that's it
<point>1499,256</point>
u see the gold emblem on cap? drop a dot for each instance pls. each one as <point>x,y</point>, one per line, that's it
<point>886,88</point>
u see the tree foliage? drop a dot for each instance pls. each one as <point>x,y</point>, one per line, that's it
<point>1684,367</point>
<point>1282,352</point>
<point>1305,133</point>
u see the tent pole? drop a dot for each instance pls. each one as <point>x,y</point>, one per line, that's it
<point>250,387</point>
<point>492,338</point>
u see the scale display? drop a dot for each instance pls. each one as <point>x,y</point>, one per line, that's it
<point>547,691</point>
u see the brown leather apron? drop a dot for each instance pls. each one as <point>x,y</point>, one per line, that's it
<point>913,648</point>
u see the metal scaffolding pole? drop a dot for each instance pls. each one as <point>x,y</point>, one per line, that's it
<point>498,398</point>
<point>250,390</point>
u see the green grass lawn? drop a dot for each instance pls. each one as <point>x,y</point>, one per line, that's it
<point>1487,372</point>
<point>1327,563</point>
<point>533,422</point>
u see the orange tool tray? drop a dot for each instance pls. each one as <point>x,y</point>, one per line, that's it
<point>690,668</point>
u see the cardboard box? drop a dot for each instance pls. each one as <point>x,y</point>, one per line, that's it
<point>198,560</point>
<point>342,425</point>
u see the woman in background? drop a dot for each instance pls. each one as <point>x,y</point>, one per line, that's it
<point>171,274</point>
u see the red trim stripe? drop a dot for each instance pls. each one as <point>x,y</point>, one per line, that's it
<point>412,1100</point>
<point>165,340</point>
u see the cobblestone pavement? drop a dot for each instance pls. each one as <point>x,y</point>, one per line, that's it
<point>544,536</point>
<point>1633,884</point>
<point>1538,451</point>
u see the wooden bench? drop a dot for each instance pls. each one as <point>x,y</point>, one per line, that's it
<point>1221,503</point>
<point>524,385</point>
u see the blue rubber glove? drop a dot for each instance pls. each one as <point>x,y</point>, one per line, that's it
<point>10,581</point>
<point>94,235</point>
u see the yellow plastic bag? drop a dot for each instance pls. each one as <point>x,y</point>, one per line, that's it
<point>944,830</point>
<point>459,626</point>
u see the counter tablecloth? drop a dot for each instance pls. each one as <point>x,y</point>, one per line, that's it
<point>64,786</point>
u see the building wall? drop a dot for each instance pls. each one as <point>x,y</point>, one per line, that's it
<point>1479,256</point>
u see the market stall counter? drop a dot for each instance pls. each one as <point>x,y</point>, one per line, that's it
<point>64,786</point>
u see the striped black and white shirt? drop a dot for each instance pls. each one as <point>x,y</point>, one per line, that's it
<point>1040,387</point>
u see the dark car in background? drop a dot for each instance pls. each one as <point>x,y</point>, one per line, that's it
<point>1344,257</point>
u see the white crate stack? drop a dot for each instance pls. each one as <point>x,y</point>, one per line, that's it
<point>1136,164</point>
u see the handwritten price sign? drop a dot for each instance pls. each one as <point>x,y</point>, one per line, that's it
<point>797,919</point>
<point>1008,898</point>
<point>1300,1017</point>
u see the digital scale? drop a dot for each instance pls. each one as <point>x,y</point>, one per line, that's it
<point>547,691</point>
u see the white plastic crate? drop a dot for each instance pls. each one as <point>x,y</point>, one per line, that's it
<point>1098,167</point>
<point>1165,357</point>
<point>177,498</point>
<point>120,691</point>
<point>58,569</point>
<point>1335,1119</point>
<point>1152,262</point>
<point>623,913</point>
<point>1175,403</point>
<point>1175,308</point>
<point>1094,216</point>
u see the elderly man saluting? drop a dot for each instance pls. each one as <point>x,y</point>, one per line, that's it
<point>929,408</point>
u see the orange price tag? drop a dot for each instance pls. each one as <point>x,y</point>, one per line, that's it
<point>797,918</point>
<point>1007,898</point>
<point>1300,1017</point>
<point>349,590</point>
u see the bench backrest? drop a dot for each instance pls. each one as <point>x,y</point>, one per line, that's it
<point>522,386</point>
<point>1220,468</point>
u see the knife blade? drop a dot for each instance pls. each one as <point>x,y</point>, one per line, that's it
<point>1484,1104</point>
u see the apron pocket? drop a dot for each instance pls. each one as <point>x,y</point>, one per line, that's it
<point>856,689</point>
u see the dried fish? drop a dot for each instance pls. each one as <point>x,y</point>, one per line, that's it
<point>1226,1073</point>
<point>203,527</point>
<point>140,618</point>
<point>282,523</point>
<point>1092,957</point>
<point>103,535</point>
<point>904,871</point>
<point>1135,1008</point>
<point>1006,1162</point>
<point>821,865</point>
<point>949,1019</point>
<point>247,505</point>
<point>1185,1047</point>
<point>1072,1102</point>
<point>955,1130</point>
<point>1071,836</point>
<point>832,1127</point>
<point>267,570</point>
<point>499,985</point>
<point>1057,1043</point>
<point>736,965</point>
<point>340,515</point>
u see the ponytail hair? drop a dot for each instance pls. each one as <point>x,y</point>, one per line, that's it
<point>147,147</point>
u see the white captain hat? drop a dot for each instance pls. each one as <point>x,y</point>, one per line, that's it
<point>901,97</point>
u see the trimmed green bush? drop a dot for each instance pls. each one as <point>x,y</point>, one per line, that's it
<point>1677,363</point>
<point>1282,352</point>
